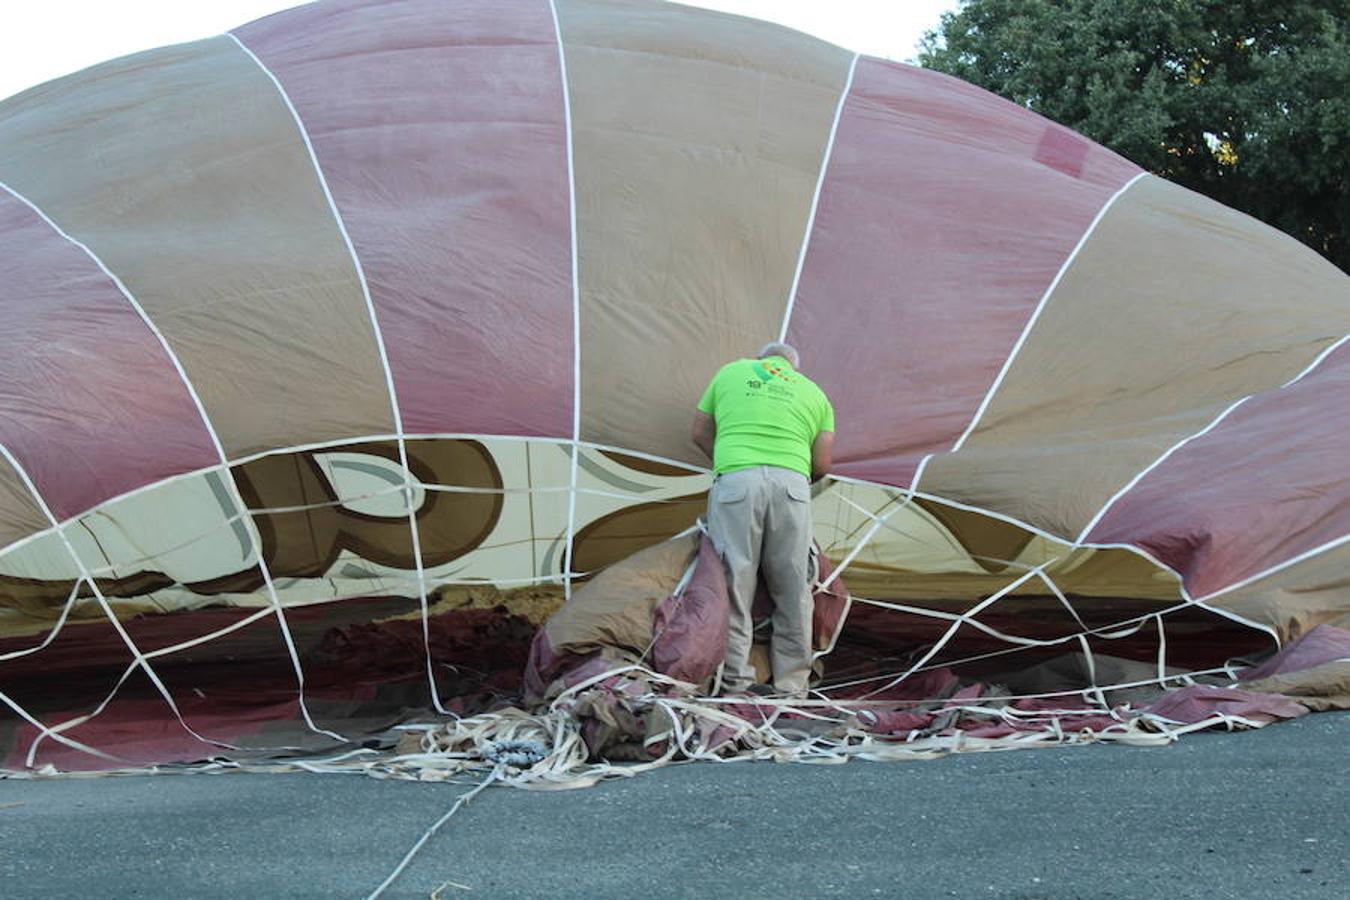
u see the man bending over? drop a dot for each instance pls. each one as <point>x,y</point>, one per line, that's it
<point>768,429</point>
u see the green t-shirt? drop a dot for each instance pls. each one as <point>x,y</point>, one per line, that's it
<point>767,414</point>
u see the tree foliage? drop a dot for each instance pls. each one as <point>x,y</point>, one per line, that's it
<point>1246,101</point>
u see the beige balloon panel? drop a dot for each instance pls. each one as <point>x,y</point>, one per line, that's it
<point>183,544</point>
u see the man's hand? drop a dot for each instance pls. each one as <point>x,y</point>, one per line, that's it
<point>704,432</point>
<point>822,455</point>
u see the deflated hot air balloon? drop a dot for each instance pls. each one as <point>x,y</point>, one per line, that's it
<point>342,349</point>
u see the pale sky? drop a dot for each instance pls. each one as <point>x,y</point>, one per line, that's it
<point>47,39</point>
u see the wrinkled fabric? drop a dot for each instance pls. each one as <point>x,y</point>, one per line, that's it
<point>690,628</point>
<point>1195,703</point>
<point>1323,644</point>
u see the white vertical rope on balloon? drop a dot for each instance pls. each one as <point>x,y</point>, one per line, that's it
<point>1040,306</point>
<point>223,468</point>
<point>394,407</point>
<point>576,308</point>
<point>918,474</point>
<point>1162,651</point>
<point>1090,662</point>
<point>815,197</point>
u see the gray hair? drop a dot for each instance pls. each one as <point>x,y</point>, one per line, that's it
<point>778,348</point>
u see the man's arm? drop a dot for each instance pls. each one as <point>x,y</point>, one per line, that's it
<point>704,432</point>
<point>822,455</point>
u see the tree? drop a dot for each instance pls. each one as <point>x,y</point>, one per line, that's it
<point>1246,101</point>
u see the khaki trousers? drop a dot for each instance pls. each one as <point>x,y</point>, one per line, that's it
<point>761,518</point>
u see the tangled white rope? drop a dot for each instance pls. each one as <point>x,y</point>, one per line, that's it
<point>548,751</point>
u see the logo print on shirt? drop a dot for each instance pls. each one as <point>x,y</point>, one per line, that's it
<point>767,372</point>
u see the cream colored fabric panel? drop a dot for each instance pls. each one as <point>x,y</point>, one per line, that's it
<point>698,139</point>
<point>20,515</point>
<point>618,606</point>
<point>1295,600</point>
<point>1092,576</point>
<point>926,550</point>
<point>184,171</point>
<point>1319,688</point>
<point>1174,309</point>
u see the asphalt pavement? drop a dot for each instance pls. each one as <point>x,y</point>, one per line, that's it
<point>1254,814</point>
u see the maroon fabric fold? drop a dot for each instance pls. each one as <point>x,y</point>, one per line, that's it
<point>1323,644</point>
<point>691,626</point>
<point>1196,703</point>
<point>1266,485</point>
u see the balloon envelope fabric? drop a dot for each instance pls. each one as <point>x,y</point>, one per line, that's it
<point>374,312</point>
